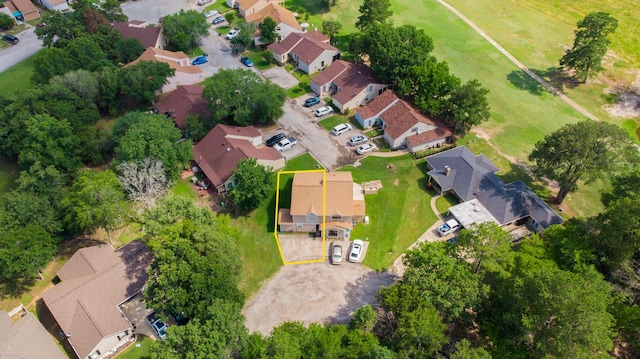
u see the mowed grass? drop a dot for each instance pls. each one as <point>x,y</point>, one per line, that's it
<point>141,349</point>
<point>399,213</point>
<point>17,77</point>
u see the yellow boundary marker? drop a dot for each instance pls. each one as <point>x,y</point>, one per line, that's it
<point>324,217</point>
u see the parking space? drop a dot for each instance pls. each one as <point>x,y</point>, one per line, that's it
<point>298,247</point>
<point>346,249</point>
<point>280,76</point>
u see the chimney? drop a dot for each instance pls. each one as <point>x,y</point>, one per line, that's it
<point>447,170</point>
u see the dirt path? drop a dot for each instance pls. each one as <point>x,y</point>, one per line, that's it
<point>544,83</point>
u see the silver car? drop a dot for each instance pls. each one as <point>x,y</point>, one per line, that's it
<point>336,253</point>
<point>366,148</point>
<point>356,140</point>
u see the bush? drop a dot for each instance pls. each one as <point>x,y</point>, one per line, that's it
<point>6,22</point>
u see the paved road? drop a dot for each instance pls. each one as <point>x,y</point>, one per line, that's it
<point>27,47</point>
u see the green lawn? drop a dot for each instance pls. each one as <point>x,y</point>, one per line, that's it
<point>220,5</point>
<point>17,76</point>
<point>9,172</point>
<point>444,202</point>
<point>184,188</point>
<point>330,122</point>
<point>297,91</point>
<point>256,57</point>
<point>399,213</point>
<point>140,350</point>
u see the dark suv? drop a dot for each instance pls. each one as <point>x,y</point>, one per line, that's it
<point>275,139</point>
<point>10,39</point>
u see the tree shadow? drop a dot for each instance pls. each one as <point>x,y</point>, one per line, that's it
<point>15,287</point>
<point>555,76</point>
<point>522,81</point>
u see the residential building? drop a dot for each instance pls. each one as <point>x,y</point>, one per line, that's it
<point>181,102</point>
<point>310,51</point>
<point>318,199</point>
<point>55,5</point>
<point>185,74</point>
<point>86,302</point>
<point>22,10</point>
<point>26,338</point>
<point>472,179</point>
<point>149,36</point>
<point>351,84</point>
<point>286,22</point>
<point>219,152</point>
<point>248,7</point>
<point>404,126</point>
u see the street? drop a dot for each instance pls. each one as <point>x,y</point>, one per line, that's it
<point>27,47</point>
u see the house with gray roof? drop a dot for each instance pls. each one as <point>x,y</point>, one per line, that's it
<point>26,338</point>
<point>473,178</point>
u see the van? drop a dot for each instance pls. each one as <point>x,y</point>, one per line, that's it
<point>324,110</point>
<point>340,129</point>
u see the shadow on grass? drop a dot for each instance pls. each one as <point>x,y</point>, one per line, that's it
<point>555,76</point>
<point>423,181</point>
<point>313,7</point>
<point>15,287</point>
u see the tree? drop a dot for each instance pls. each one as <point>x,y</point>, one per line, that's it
<point>486,246</point>
<point>81,82</point>
<point>128,50</point>
<point>50,62</point>
<point>241,97</point>
<point>95,200</point>
<point>17,212</point>
<point>252,183</point>
<point>373,12</point>
<point>429,86</point>
<point>61,28</point>
<point>465,351</point>
<point>87,54</point>
<point>143,181</point>
<point>590,44</point>
<point>156,137</point>
<point>185,28</point>
<point>47,182</point>
<point>330,3</point>
<point>364,318</point>
<point>6,21</point>
<point>112,11</point>
<point>584,151</point>
<point>244,39</point>
<point>92,19</point>
<point>467,106</point>
<point>24,251</point>
<point>420,332</point>
<point>331,28</point>
<point>142,80</point>
<point>109,87</point>
<point>268,32</point>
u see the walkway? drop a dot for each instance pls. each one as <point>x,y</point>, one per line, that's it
<point>544,83</point>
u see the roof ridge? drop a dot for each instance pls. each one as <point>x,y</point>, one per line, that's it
<point>93,321</point>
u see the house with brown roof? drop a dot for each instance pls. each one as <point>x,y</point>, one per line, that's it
<point>22,10</point>
<point>26,338</point>
<point>219,152</point>
<point>94,283</point>
<point>149,36</point>
<point>338,211</point>
<point>351,84</point>
<point>183,101</point>
<point>248,7</point>
<point>403,125</point>
<point>55,5</point>
<point>286,22</point>
<point>310,51</point>
<point>185,74</point>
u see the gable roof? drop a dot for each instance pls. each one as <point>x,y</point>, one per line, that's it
<point>473,176</point>
<point>28,10</point>
<point>307,193</point>
<point>26,338</point>
<point>95,281</point>
<point>400,117</point>
<point>136,29</point>
<point>277,13</point>
<point>218,153</point>
<point>379,104</point>
<point>245,5</point>
<point>183,101</point>
<point>169,57</point>
<point>307,45</point>
<point>351,78</point>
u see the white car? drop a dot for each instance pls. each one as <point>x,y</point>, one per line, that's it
<point>356,140</point>
<point>366,148</point>
<point>340,129</point>
<point>336,253</point>
<point>356,251</point>
<point>231,34</point>
<point>285,144</point>
<point>324,110</point>
<point>448,227</point>
<point>211,13</point>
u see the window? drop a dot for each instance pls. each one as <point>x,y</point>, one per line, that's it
<point>332,233</point>
<point>312,218</point>
<point>299,226</point>
<point>370,88</point>
<point>94,355</point>
<point>336,218</point>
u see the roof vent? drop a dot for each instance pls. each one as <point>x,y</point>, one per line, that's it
<point>228,149</point>
<point>447,170</point>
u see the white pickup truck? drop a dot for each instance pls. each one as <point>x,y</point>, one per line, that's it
<point>285,144</point>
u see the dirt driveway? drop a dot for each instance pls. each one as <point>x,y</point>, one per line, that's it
<point>313,293</point>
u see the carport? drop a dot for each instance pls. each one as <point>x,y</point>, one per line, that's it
<point>470,212</point>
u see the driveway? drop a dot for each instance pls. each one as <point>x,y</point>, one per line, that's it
<point>313,293</point>
<point>28,46</point>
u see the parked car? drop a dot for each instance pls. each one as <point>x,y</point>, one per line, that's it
<point>356,140</point>
<point>324,110</point>
<point>199,60</point>
<point>366,148</point>
<point>217,20</point>
<point>449,227</point>
<point>202,2</point>
<point>275,139</point>
<point>10,39</point>
<point>311,101</point>
<point>246,61</point>
<point>336,253</point>
<point>356,251</point>
<point>211,13</point>
<point>231,34</point>
<point>285,144</point>
<point>158,326</point>
<point>340,129</point>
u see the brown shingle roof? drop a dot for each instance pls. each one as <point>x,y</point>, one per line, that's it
<point>353,81</point>
<point>245,5</point>
<point>307,194</point>
<point>428,136</point>
<point>185,100</point>
<point>98,279</point>
<point>378,104</point>
<point>171,58</point>
<point>27,8</point>
<point>26,339</point>
<point>308,50</point>
<point>331,73</point>
<point>401,117</point>
<point>295,39</point>
<point>277,13</point>
<point>218,155</point>
<point>147,35</point>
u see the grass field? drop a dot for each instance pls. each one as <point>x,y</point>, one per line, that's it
<point>17,77</point>
<point>140,350</point>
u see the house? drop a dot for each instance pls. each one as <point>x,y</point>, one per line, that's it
<point>219,152</point>
<point>183,101</point>
<point>248,7</point>
<point>473,178</point>
<point>22,10</point>
<point>344,206</point>
<point>149,36</point>
<point>404,126</point>
<point>55,5</point>
<point>26,338</point>
<point>351,84</point>
<point>86,302</point>
<point>286,22</point>
<point>310,51</point>
<point>185,74</point>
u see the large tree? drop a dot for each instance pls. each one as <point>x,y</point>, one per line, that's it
<point>331,28</point>
<point>143,181</point>
<point>373,12</point>
<point>17,211</point>
<point>486,246</point>
<point>584,151</point>
<point>61,28</point>
<point>24,252</point>
<point>252,183</point>
<point>268,32</point>
<point>6,21</point>
<point>244,38</point>
<point>467,106</point>
<point>50,62</point>
<point>242,97</point>
<point>590,44</point>
<point>142,80</point>
<point>113,11</point>
<point>430,86</point>
<point>185,28</point>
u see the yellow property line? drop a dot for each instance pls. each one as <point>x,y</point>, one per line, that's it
<point>324,217</point>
